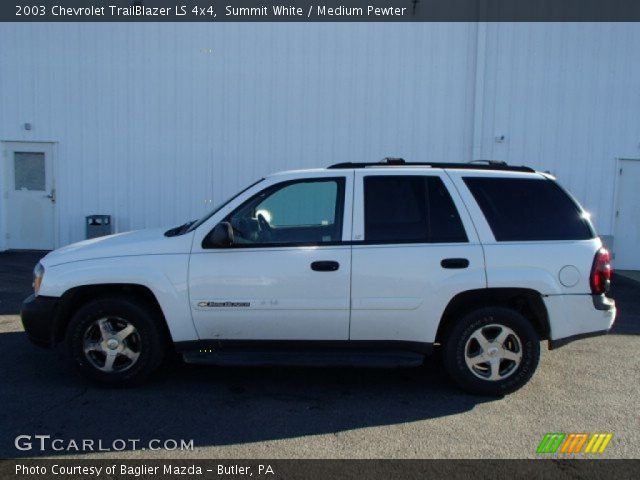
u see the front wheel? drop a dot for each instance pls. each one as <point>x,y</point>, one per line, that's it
<point>115,340</point>
<point>491,351</point>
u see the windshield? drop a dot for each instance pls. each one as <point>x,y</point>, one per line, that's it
<point>197,223</point>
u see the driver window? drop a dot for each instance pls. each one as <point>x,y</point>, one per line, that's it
<point>300,212</point>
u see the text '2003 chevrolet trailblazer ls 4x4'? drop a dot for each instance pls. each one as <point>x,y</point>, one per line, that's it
<point>353,264</point>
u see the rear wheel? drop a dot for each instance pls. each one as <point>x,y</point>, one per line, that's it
<point>491,351</point>
<point>115,341</point>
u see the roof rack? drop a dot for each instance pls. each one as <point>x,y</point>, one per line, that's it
<point>400,162</point>
<point>490,162</point>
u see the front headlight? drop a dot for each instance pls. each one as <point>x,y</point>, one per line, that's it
<point>38,273</point>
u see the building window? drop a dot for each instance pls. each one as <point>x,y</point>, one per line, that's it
<point>29,171</point>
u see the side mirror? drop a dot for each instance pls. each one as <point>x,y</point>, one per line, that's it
<point>220,236</point>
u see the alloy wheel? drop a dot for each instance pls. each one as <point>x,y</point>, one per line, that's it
<point>493,352</point>
<point>111,344</point>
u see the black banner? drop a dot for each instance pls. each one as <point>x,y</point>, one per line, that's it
<point>318,469</point>
<point>320,11</point>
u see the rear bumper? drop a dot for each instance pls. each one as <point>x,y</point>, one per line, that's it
<point>37,316</point>
<point>604,303</point>
<point>575,317</point>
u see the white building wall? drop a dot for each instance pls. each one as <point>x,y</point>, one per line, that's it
<point>567,99</point>
<point>154,123</point>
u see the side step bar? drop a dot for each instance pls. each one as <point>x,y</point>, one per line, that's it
<point>306,359</point>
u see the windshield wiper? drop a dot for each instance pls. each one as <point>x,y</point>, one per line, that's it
<point>181,230</point>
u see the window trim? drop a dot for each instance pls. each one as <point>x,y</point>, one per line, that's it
<point>426,178</point>
<point>340,206</point>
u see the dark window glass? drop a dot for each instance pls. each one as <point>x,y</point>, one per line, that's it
<point>410,209</point>
<point>528,209</point>
<point>299,212</point>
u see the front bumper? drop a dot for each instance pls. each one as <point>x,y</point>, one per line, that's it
<point>38,314</point>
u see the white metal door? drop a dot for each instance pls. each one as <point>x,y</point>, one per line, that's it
<point>29,195</point>
<point>626,242</point>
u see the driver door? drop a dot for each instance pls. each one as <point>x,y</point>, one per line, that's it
<point>286,276</point>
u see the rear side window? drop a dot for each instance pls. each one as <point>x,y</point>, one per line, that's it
<point>410,209</point>
<point>520,209</point>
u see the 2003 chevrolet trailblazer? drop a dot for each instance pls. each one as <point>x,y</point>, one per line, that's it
<point>353,264</point>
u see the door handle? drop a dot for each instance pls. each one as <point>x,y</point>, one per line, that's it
<point>325,266</point>
<point>454,263</point>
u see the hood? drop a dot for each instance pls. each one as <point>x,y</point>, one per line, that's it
<point>140,242</point>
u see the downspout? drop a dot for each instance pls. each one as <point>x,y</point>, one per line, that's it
<point>478,92</point>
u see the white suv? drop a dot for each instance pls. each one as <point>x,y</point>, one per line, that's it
<point>356,264</point>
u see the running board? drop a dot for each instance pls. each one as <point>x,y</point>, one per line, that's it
<point>306,359</point>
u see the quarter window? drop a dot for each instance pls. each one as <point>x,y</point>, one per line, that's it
<point>528,209</point>
<point>410,209</point>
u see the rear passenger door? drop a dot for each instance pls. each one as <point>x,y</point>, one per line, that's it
<point>414,249</point>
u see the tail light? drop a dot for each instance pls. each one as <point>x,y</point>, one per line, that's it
<point>601,272</point>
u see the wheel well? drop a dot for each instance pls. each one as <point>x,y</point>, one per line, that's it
<point>525,301</point>
<point>76,297</point>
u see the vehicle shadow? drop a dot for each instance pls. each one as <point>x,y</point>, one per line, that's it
<point>212,405</point>
<point>16,269</point>
<point>626,293</point>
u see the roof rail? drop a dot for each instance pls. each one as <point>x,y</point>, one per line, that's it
<point>490,162</point>
<point>400,162</point>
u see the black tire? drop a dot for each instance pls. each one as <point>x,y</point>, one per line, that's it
<point>516,374</point>
<point>148,338</point>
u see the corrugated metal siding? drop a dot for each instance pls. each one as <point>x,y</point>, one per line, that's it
<point>157,122</point>
<point>567,98</point>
